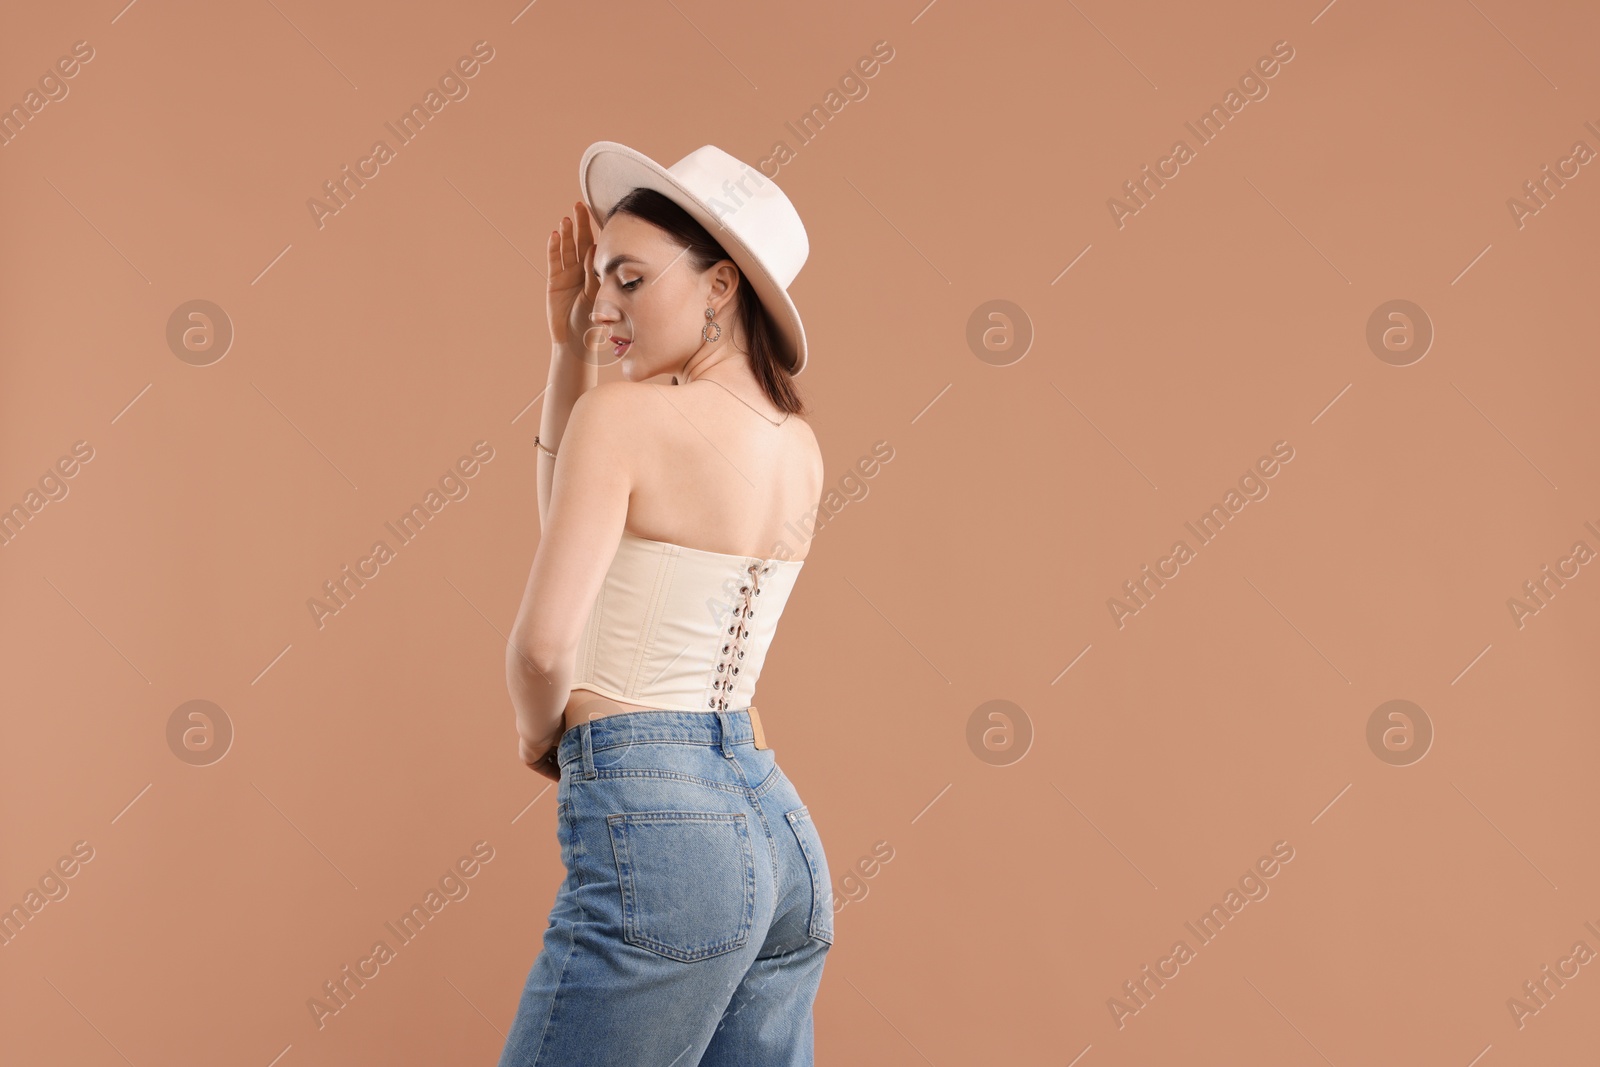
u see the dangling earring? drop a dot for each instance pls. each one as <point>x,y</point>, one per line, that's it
<point>710,322</point>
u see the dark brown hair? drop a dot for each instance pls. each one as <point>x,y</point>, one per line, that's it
<point>755,323</point>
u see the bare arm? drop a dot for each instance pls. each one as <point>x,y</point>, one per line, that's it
<point>571,375</point>
<point>588,510</point>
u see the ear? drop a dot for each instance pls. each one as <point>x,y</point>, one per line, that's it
<point>725,279</point>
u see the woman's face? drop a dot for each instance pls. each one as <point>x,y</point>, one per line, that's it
<point>651,304</point>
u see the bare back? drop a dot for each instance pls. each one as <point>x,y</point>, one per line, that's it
<point>711,473</point>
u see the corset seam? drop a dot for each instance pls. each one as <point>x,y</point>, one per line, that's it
<point>666,567</point>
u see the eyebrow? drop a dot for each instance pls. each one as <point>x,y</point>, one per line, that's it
<point>617,262</point>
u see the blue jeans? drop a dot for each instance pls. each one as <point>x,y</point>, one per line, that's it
<point>671,942</point>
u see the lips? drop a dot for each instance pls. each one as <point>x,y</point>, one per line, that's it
<point>621,345</point>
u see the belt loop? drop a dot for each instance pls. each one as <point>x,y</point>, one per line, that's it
<point>586,742</point>
<point>725,734</point>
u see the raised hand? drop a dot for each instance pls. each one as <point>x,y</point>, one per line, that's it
<point>572,286</point>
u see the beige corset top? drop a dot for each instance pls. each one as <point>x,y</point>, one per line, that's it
<point>682,629</point>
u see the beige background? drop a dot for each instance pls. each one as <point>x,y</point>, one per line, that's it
<point>1229,313</point>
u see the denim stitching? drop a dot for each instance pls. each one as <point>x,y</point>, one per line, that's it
<point>634,742</point>
<point>700,742</point>
<point>578,853</point>
<point>673,815</point>
<point>630,932</point>
<point>644,772</point>
<point>755,802</point>
<point>769,782</point>
<point>818,901</point>
<point>586,751</point>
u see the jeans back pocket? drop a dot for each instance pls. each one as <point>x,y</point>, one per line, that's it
<point>688,881</point>
<point>805,831</point>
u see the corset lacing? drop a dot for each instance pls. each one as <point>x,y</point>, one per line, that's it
<point>733,648</point>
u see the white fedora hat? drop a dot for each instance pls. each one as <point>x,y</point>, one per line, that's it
<point>740,207</point>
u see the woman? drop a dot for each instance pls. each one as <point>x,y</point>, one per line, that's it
<point>697,911</point>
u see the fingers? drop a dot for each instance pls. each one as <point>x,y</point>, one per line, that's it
<point>584,245</point>
<point>546,766</point>
<point>569,249</point>
<point>585,232</point>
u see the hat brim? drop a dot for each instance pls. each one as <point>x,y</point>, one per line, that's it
<point>609,171</point>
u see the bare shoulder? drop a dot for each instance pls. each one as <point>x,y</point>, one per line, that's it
<point>601,427</point>
<point>611,411</point>
<point>613,396</point>
<point>810,436</point>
